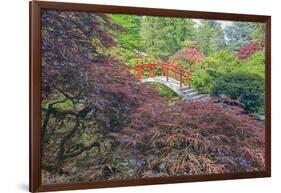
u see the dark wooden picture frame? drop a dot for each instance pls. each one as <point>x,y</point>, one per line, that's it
<point>35,93</point>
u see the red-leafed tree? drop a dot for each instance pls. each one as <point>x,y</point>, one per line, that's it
<point>193,138</point>
<point>189,55</point>
<point>67,47</point>
<point>82,90</point>
<point>248,49</point>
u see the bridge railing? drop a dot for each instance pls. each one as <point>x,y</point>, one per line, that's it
<point>166,70</point>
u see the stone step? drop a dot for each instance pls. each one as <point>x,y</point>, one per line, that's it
<point>188,91</point>
<point>198,97</point>
<point>193,98</point>
<point>185,88</point>
<point>191,94</point>
<point>204,98</point>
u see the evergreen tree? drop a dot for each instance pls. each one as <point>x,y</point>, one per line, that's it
<point>129,40</point>
<point>130,37</point>
<point>238,34</point>
<point>259,33</point>
<point>164,36</point>
<point>210,37</point>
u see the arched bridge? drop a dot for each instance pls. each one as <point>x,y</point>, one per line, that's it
<point>170,75</point>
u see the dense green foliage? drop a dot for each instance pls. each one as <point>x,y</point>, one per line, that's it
<point>244,87</point>
<point>210,37</point>
<point>164,36</point>
<point>259,33</point>
<point>255,64</point>
<point>130,38</point>
<point>212,67</point>
<point>129,48</point>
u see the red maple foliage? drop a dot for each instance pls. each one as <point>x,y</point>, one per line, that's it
<point>248,49</point>
<point>67,47</point>
<point>72,66</point>
<point>195,138</point>
<point>191,55</point>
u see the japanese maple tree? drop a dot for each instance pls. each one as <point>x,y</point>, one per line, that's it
<point>248,49</point>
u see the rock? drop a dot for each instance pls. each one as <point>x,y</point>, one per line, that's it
<point>260,117</point>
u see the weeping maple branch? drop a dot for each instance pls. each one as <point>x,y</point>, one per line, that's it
<point>62,154</point>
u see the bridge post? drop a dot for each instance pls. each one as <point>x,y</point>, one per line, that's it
<point>180,81</point>
<point>139,72</point>
<point>187,79</point>
<point>153,71</point>
<point>167,74</point>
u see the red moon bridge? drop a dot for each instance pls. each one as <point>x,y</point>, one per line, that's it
<point>167,70</point>
<point>172,76</point>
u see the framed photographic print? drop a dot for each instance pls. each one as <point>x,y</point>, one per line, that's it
<point>123,96</point>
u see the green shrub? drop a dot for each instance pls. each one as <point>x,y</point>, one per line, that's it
<point>131,57</point>
<point>254,64</point>
<point>204,80</point>
<point>244,87</point>
<point>210,68</point>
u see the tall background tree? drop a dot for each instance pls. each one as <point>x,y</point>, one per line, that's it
<point>210,37</point>
<point>164,36</point>
<point>129,39</point>
<point>259,33</point>
<point>238,34</point>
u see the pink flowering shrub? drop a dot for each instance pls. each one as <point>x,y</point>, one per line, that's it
<point>248,49</point>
